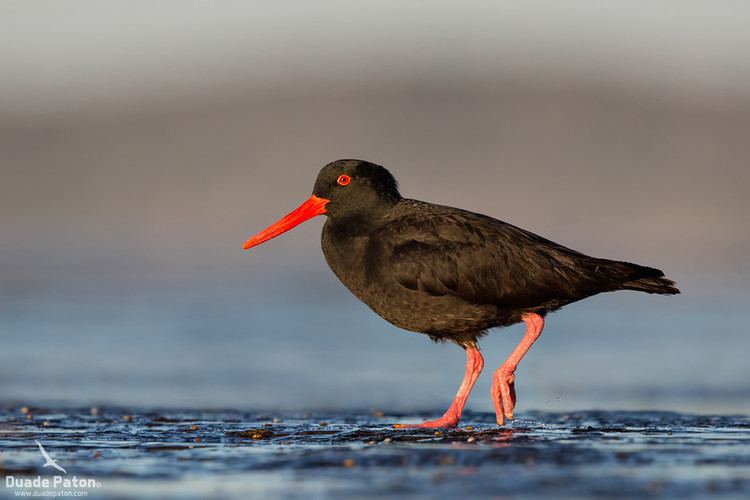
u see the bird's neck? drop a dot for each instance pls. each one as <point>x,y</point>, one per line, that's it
<point>355,223</point>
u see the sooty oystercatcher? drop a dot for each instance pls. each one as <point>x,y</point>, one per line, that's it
<point>450,273</point>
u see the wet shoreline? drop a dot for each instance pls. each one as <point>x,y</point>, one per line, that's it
<point>225,453</point>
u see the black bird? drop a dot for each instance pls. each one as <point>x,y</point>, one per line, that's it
<point>450,273</point>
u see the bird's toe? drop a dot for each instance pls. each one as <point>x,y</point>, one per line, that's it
<point>503,393</point>
<point>444,422</point>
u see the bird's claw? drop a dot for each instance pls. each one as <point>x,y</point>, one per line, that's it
<point>503,393</point>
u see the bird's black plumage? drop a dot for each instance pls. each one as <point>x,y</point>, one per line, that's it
<point>451,273</point>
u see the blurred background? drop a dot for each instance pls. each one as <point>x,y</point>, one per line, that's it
<point>141,143</point>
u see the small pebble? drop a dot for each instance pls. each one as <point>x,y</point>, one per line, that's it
<point>198,440</point>
<point>387,440</point>
<point>29,416</point>
<point>127,418</point>
<point>276,420</point>
<point>371,443</point>
<point>471,439</point>
<point>24,410</point>
<point>437,433</point>
<point>469,427</point>
<point>323,424</point>
<point>193,427</point>
<point>45,424</point>
<point>349,463</point>
<point>257,434</point>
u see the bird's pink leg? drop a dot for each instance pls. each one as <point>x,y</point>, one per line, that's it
<point>474,365</point>
<point>503,389</point>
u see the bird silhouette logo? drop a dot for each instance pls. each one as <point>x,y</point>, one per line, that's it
<point>49,460</point>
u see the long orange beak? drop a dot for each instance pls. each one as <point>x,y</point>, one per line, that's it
<point>310,208</point>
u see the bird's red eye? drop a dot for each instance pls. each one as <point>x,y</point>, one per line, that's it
<point>343,180</point>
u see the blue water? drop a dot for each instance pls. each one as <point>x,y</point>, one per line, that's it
<point>303,350</point>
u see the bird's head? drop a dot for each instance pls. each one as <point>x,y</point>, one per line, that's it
<point>344,189</point>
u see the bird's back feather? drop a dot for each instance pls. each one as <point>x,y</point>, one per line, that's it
<point>447,251</point>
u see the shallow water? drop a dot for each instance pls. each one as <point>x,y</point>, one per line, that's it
<point>196,454</point>
<point>615,351</point>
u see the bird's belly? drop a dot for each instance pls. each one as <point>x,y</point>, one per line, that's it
<point>418,311</point>
<point>434,315</point>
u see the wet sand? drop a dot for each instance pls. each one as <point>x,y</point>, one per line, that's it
<point>152,453</point>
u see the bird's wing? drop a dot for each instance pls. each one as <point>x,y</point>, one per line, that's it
<point>446,251</point>
<point>44,452</point>
<point>59,468</point>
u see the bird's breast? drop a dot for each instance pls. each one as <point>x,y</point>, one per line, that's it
<point>345,256</point>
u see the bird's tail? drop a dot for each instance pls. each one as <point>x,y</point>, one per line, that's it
<point>650,280</point>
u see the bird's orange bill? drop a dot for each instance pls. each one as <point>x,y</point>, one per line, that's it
<point>313,206</point>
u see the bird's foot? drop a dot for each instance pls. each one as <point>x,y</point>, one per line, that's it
<point>503,393</point>
<point>447,421</point>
